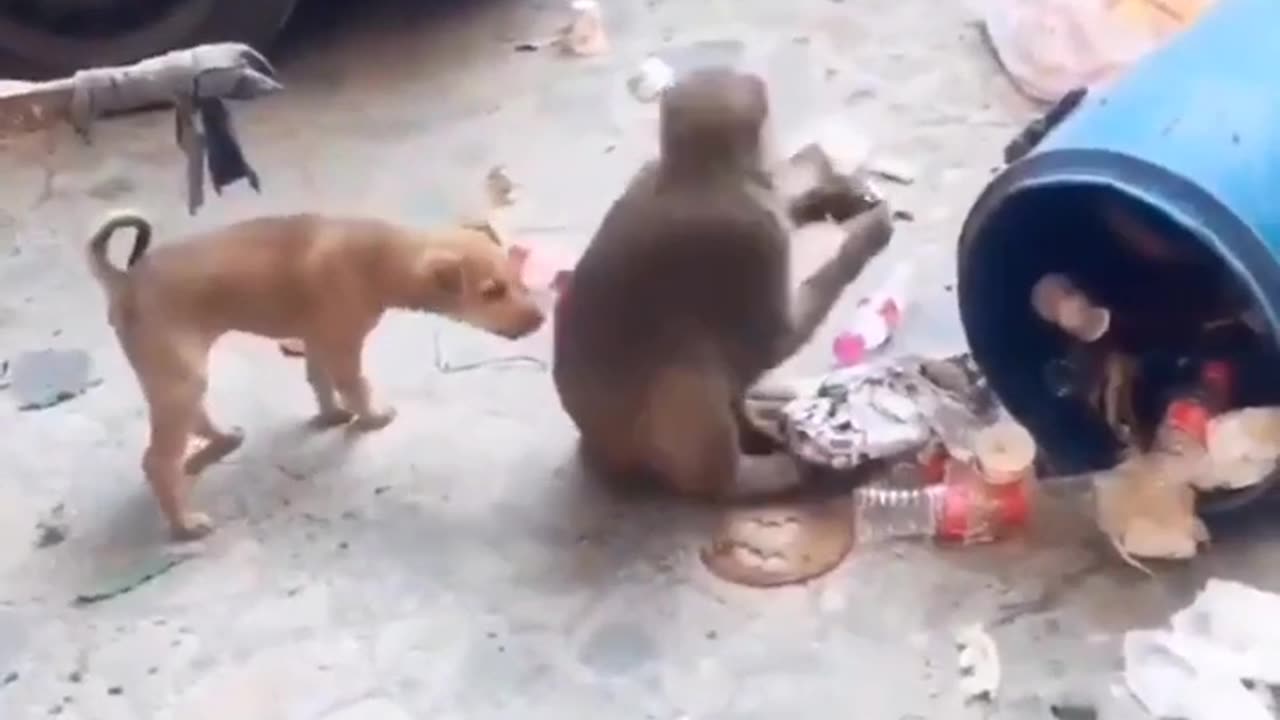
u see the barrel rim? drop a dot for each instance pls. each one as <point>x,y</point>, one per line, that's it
<point>1232,239</point>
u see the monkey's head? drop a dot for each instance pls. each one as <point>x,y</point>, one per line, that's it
<point>715,117</point>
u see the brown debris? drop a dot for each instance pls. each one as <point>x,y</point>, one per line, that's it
<point>781,544</point>
<point>1147,508</point>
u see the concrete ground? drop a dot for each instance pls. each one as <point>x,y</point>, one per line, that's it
<point>455,565</point>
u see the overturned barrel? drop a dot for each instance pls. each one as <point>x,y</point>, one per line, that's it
<point>1156,191</point>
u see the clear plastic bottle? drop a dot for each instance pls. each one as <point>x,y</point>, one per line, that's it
<point>975,502</point>
<point>888,513</point>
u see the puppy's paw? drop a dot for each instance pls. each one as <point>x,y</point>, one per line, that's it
<point>374,420</point>
<point>330,418</point>
<point>213,451</point>
<point>193,526</point>
<point>292,347</point>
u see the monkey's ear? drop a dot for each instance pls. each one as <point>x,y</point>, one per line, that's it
<point>445,274</point>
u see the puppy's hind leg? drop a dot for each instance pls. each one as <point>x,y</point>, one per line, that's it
<point>328,413</point>
<point>174,414</point>
<point>218,444</point>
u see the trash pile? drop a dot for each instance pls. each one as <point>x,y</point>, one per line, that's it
<point>1202,439</point>
<point>957,469</point>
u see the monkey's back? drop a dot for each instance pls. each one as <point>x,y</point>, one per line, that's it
<point>680,271</point>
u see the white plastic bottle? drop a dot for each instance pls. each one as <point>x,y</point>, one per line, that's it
<point>875,318</point>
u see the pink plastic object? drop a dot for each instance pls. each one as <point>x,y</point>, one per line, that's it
<point>542,269</point>
<point>875,318</point>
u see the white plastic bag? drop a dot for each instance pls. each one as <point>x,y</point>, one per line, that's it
<point>1049,47</point>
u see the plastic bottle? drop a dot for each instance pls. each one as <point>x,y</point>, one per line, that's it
<point>888,513</point>
<point>1183,429</point>
<point>974,503</point>
<point>875,318</point>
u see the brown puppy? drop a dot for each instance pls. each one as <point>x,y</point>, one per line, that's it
<point>327,280</point>
<point>682,299</point>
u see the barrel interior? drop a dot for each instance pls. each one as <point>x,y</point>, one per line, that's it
<point>1175,303</point>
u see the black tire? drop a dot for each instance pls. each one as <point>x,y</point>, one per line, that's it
<point>37,53</point>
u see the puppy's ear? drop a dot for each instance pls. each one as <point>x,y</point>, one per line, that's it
<point>446,275</point>
<point>518,255</point>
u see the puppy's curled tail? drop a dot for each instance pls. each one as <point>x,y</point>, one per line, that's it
<point>110,276</point>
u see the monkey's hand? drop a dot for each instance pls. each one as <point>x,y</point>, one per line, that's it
<point>814,191</point>
<point>866,234</point>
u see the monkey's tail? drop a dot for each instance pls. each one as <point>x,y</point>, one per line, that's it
<point>109,276</point>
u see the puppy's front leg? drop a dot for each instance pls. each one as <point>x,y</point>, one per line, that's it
<point>329,412</point>
<point>340,360</point>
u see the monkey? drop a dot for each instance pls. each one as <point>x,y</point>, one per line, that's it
<point>682,299</point>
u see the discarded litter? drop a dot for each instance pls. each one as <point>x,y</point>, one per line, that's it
<point>499,187</point>
<point>1059,302</point>
<point>585,34</point>
<point>1051,46</point>
<point>975,501</point>
<point>780,545</point>
<point>1146,505</point>
<point>879,410</point>
<point>52,529</point>
<point>542,268</point>
<point>875,318</point>
<point>650,79</point>
<point>978,659</point>
<point>1243,448</point>
<point>1147,509</point>
<point>44,378</point>
<point>1197,669</point>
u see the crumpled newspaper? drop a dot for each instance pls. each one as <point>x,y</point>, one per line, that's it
<point>1197,668</point>
<point>877,410</point>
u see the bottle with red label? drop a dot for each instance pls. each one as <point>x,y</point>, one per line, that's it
<point>975,501</point>
<point>1184,427</point>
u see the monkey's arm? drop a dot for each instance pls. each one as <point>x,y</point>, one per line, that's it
<point>813,191</point>
<point>867,234</point>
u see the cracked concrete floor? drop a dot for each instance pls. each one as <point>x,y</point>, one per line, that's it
<point>455,565</point>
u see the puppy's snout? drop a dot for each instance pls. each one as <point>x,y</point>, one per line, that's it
<point>526,319</point>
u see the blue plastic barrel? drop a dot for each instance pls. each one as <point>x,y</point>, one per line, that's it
<point>1190,135</point>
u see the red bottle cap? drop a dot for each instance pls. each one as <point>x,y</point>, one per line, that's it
<point>849,349</point>
<point>1190,417</point>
